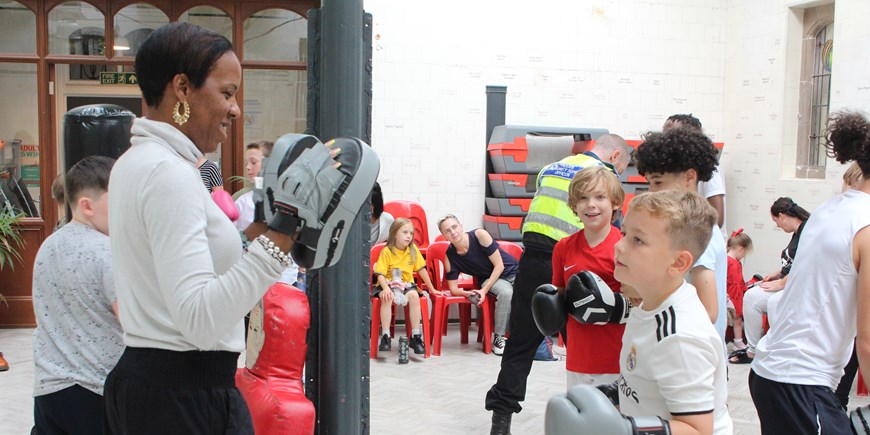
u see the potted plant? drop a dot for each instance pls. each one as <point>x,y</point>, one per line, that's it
<point>10,239</point>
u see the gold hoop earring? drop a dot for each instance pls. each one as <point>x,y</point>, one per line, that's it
<point>180,118</point>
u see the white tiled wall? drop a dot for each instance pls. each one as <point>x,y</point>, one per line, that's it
<point>622,65</point>
<point>760,118</point>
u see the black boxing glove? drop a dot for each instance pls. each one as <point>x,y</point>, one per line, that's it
<point>590,300</point>
<point>548,309</point>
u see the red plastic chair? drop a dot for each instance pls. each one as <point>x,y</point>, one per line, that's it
<point>435,264</point>
<point>413,211</point>
<point>376,312</point>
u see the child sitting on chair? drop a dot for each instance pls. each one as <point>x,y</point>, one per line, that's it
<point>395,270</point>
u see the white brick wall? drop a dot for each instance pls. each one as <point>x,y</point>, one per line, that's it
<point>622,65</point>
<point>760,117</point>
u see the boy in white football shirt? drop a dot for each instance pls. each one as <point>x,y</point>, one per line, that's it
<point>672,363</point>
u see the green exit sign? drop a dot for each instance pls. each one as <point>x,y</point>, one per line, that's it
<point>118,78</point>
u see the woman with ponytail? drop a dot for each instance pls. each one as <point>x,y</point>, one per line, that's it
<point>800,360</point>
<point>788,216</point>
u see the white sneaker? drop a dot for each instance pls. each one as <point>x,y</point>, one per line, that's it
<point>498,343</point>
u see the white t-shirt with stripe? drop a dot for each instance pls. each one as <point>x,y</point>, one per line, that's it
<point>673,363</point>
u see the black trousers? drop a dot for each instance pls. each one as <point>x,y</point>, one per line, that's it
<point>156,391</point>
<point>535,268</point>
<point>74,410</point>
<point>792,409</point>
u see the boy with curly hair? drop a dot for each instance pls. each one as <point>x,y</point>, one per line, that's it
<point>677,160</point>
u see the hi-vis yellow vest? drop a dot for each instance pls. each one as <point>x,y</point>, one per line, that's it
<point>549,213</point>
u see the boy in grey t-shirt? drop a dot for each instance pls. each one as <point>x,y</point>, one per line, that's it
<point>78,338</point>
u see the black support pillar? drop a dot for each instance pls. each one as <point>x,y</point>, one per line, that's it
<point>339,105</point>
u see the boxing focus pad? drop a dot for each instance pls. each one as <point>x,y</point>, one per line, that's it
<point>548,309</point>
<point>860,418</point>
<point>316,189</point>
<point>585,410</point>
<point>224,201</point>
<point>590,300</point>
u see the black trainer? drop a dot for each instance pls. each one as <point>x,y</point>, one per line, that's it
<point>501,423</point>
<point>417,345</point>
<point>386,344</point>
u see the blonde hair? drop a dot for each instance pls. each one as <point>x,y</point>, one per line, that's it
<point>588,178</point>
<point>391,239</point>
<point>689,219</point>
<point>853,176</point>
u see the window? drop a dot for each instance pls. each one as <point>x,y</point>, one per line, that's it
<point>815,90</point>
<point>19,140</point>
<point>133,24</point>
<point>19,28</point>
<point>76,28</point>
<point>821,99</point>
<point>211,18</point>
<point>275,34</point>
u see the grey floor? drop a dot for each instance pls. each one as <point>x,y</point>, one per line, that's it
<point>441,395</point>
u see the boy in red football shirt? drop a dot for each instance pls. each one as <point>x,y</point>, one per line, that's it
<point>592,350</point>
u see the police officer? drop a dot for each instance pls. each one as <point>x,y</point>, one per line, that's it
<point>548,221</point>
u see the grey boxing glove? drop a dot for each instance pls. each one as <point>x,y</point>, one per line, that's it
<point>548,309</point>
<point>860,418</point>
<point>585,410</point>
<point>611,391</point>
<point>590,300</point>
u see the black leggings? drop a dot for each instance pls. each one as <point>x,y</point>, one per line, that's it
<point>156,391</point>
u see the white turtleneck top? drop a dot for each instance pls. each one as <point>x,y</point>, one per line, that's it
<point>182,280</point>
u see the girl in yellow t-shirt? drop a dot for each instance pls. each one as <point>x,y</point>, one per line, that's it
<point>395,274</point>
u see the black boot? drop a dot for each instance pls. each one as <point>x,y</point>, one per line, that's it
<point>501,423</point>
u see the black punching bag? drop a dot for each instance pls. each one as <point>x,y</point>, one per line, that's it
<point>95,130</point>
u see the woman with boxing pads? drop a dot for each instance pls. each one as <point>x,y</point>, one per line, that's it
<point>183,284</point>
